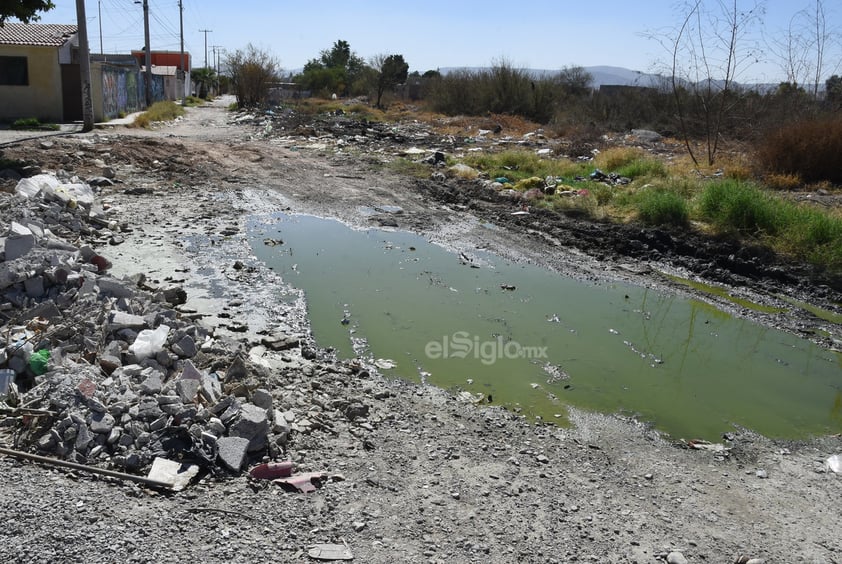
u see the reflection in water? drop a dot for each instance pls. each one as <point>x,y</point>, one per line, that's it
<point>691,369</point>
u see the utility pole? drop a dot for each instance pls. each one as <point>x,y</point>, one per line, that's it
<point>217,51</point>
<point>99,9</point>
<point>148,80</point>
<point>183,70</point>
<point>85,67</point>
<point>206,32</point>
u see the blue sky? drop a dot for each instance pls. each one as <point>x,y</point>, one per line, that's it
<point>545,34</point>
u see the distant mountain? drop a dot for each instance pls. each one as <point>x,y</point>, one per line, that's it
<point>622,76</point>
<point>601,75</point>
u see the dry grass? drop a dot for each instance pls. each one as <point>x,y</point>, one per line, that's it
<point>783,182</point>
<point>809,149</point>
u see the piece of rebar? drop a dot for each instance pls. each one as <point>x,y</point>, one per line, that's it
<point>92,469</point>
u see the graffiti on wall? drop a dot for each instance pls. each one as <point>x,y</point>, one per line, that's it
<point>123,90</point>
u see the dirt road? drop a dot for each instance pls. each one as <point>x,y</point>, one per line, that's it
<point>427,478</point>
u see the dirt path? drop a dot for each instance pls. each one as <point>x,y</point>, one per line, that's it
<point>425,477</point>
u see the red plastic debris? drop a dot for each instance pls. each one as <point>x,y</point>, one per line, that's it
<point>304,483</point>
<point>272,470</point>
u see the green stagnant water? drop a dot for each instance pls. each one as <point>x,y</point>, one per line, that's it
<point>534,340</point>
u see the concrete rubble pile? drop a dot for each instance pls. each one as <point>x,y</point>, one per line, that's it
<point>105,368</point>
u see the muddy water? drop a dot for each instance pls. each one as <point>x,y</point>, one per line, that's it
<point>530,339</point>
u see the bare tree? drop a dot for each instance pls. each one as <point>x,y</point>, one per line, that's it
<point>709,50</point>
<point>252,70</point>
<point>803,48</point>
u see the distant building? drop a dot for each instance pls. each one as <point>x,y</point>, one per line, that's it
<point>170,64</point>
<point>39,72</point>
<point>40,76</point>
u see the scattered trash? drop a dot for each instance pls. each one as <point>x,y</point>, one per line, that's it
<point>717,448</point>
<point>385,363</point>
<point>303,483</point>
<point>92,469</point>
<point>149,343</point>
<point>7,378</point>
<point>272,470</point>
<point>177,474</point>
<point>330,552</point>
<point>38,361</point>
<point>834,463</point>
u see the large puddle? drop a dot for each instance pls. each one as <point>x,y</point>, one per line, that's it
<point>531,339</point>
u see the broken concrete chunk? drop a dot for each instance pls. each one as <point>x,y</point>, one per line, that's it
<point>280,342</point>
<point>211,387</point>
<point>121,320</point>
<point>152,385</point>
<point>109,363</point>
<point>177,474</point>
<point>102,423</point>
<point>113,287</point>
<point>232,452</point>
<point>175,296</point>
<point>34,287</point>
<point>83,438</point>
<point>185,347</point>
<point>253,424</point>
<point>237,370</point>
<point>19,241</point>
<point>262,398</point>
<point>187,388</point>
<point>189,372</point>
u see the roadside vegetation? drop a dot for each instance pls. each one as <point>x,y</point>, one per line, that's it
<point>159,111</point>
<point>733,160</point>
<point>34,124</point>
<point>641,188</point>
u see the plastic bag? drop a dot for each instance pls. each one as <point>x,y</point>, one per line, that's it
<point>38,361</point>
<point>34,185</point>
<point>71,195</point>
<point>148,343</point>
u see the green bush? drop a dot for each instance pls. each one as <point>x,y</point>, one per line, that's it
<point>801,231</point>
<point>506,89</point>
<point>518,165</point>
<point>815,235</point>
<point>661,207</point>
<point>734,205</point>
<point>159,111</point>
<point>34,124</point>
<point>643,167</point>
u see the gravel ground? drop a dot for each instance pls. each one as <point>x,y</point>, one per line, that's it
<point>425,476</point>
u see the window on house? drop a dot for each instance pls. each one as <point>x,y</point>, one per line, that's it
<point>14,71</point>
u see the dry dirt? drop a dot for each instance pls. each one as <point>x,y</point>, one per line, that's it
<point>432,479</point>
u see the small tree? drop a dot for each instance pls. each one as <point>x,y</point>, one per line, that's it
<point>252,71</point>
<point>833,91</point>
<point>391,70</point>
<point>708,51</point>
<point>204,78</point>
<point>23,10</point>
<point>336,70</point>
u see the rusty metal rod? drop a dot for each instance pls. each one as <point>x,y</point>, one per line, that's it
<point>93,469</point>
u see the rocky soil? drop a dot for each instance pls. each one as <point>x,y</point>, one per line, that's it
<point>405,473</point>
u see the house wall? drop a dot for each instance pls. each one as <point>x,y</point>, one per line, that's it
<point>40,99</point>
<point>121,90</point>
